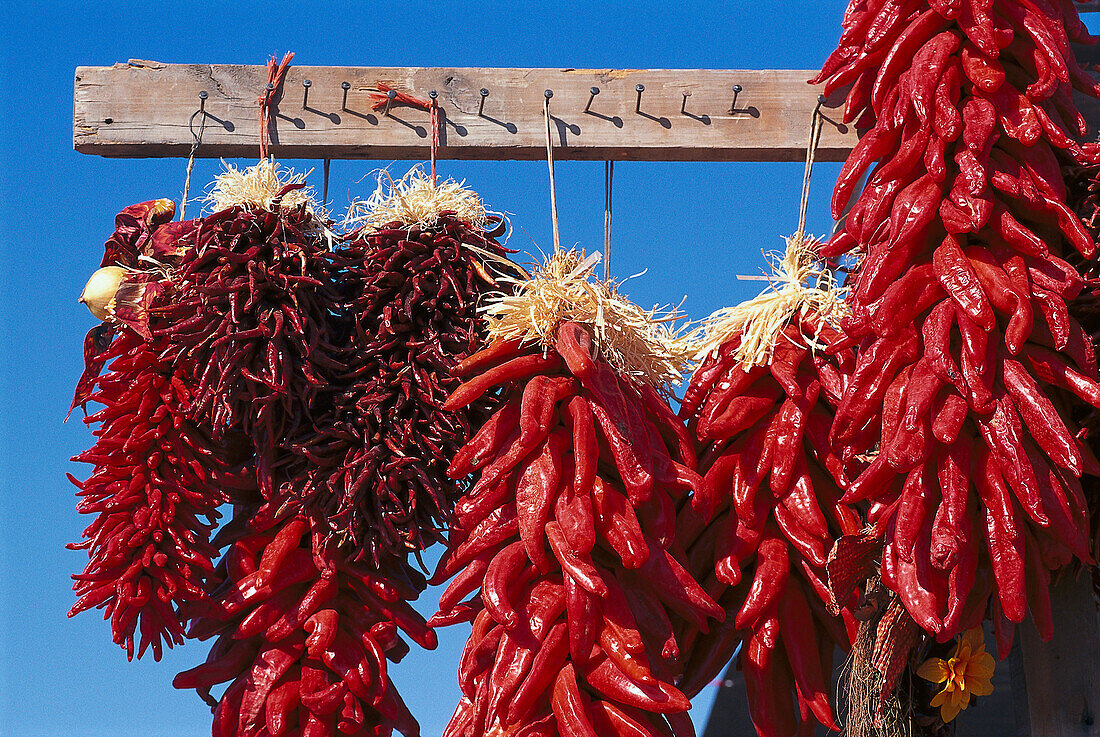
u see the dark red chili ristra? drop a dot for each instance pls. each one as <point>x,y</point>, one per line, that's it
<point>378,454</point>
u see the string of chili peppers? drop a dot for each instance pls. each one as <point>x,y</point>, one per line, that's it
<point>158,477</point>
<point>760,528</point>
<point>565,546</point>
<point>968,362</point>
<point>378,462</point>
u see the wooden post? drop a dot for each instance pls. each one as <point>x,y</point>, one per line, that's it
<point>1062,677</point>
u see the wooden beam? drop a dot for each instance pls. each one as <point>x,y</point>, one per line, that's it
<point>1091,6</point>
<point>142,108</point>
<point>1062,676</point>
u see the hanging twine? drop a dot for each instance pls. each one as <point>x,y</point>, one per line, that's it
<point>608,176</point>
<point>799,282</point>
<point>435,136</point>
<point>550,164</point>
<point>811,153</point>
<point>276,73</point>
<point>196,141</point>
<point>324,192</point>
<point>379,95</point>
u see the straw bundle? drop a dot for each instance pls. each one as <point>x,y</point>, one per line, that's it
<point>638,343</point>
<point>799,283</point>
<point>257,187</point>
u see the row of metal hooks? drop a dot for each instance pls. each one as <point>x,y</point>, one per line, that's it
<point>391,96</point>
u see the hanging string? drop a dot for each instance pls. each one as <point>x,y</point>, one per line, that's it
<point>608,176</point>
<point>550,164</point>
<point>435,135</point>
<point>276,73</point>
<point>324,192</point>
<point>811,153</point>
<point>196,141</point>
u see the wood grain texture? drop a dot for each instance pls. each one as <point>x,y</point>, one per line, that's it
<point>1063,676</point>
<point>142,108</point>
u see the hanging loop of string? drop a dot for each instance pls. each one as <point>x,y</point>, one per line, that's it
<point>550,164</point>
<point>608,176</point>
<point>196,141</point>
<point>811,153</point>
<point>276,73</point>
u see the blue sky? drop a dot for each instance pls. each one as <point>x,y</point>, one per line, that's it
<point>693,226</point>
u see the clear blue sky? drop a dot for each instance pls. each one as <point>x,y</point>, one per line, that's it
<point>693,226</point>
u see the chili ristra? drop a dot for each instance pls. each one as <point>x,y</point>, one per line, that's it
<point>758,531</point>
<point>409,295</point>
<point>254,310</point>
<point>158,477</point>
<point>565,548</point>
<point>303,635</point>
<point>969,364</point>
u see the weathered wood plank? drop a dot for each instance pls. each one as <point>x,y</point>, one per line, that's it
<point>1063,675</point>
<point>141,109</point>
<point>1091,6</point>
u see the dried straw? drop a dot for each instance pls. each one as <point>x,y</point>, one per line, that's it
<point>257,186</point>
<point>639,344</point>
<point>416,201</point>
<point>799,283</point>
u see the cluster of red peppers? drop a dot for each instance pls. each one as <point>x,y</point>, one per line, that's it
<point>254,364</point>
<point>377,473</point>
<point>968,360</point>
<point>567,543</point>
<point>303,635</point>
<point>759,530</point>
<point>159,477</point>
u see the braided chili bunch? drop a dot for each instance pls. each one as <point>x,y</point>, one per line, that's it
<point>968,360</point>
<point>566,542</point>
<point>303,635</point>
<point>378,466</point>
<point>158,478</point>
<point>253,312</point>
<point>759,530</point>
<point>155,493</point>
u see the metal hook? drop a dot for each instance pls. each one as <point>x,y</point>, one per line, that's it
<point>306,84</point>
<point>548,94</point>
<point>592,92</point>
<point>481,105</point>
<point>390,96</point>
<point>684,104</point>
<point>639,88</point>
<point>433,94</point>
<point>736,91</point>
<point>203,94</point>
<point>345,86</point>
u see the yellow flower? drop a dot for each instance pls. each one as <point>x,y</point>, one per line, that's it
<point>966,673</point>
